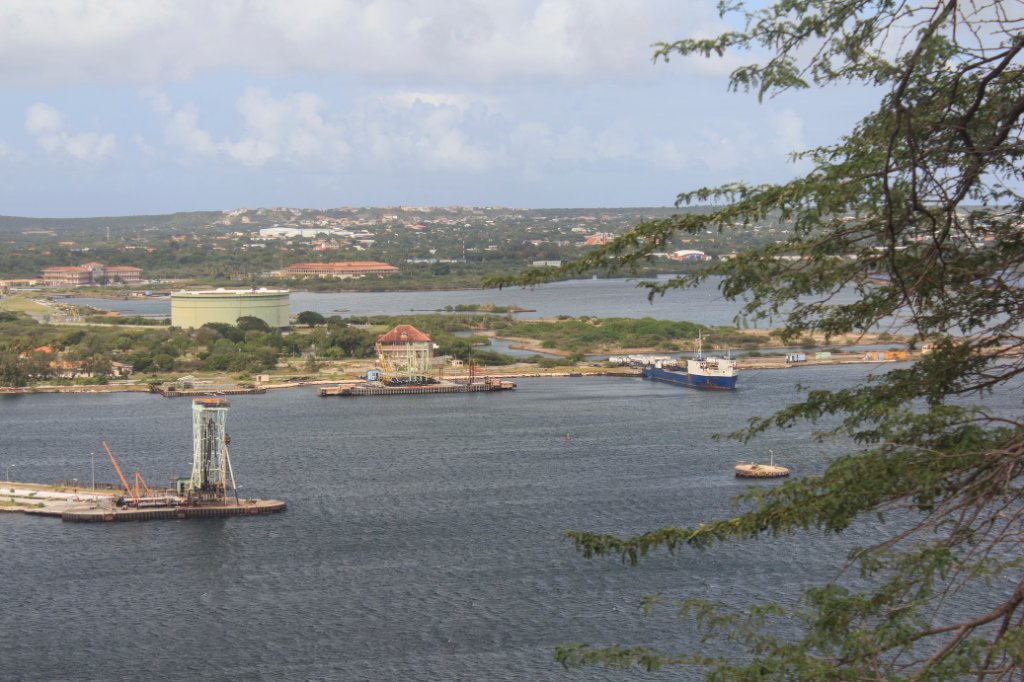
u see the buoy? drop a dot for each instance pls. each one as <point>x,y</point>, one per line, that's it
<point>753,470</point>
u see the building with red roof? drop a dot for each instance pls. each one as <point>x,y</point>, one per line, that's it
<point>339,270</point>
<point>90,274</point>
<point>405,350</point>
<point>67,276</point>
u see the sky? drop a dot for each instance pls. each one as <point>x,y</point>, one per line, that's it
<point>110,107</point>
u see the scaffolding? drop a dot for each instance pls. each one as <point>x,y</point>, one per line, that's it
<point>211,464</point>
<point>403,363</point>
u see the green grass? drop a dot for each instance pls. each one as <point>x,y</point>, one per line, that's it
<point>22,304</point>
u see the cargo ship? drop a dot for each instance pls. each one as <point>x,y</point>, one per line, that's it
<point>709,372</point>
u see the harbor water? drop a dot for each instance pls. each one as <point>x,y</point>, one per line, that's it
<point>594,297</point>
<point>423,538</point>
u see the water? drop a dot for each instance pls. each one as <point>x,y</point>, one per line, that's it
<point>594,297</point>
<point>423,539</point>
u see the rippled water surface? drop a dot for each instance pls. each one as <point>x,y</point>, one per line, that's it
<point>423,538</point>
<point>599,297</point>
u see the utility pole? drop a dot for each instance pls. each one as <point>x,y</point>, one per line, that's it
<point>92,458</point>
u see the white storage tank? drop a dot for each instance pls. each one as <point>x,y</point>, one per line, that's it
<point>193,309</point>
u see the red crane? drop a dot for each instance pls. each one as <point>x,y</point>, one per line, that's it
<point>133,495</point>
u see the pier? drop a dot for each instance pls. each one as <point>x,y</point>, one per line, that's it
<point>198,392</point>
<point>97,505</point>
<point>243,508</point>
<point>378,390</point>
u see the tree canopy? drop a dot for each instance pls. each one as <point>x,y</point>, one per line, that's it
<point>923,195</point>
<point>311,318</point>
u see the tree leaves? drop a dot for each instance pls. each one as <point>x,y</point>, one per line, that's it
<point>918,211</point>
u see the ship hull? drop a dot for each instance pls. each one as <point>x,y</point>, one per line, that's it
<point>704,382</point>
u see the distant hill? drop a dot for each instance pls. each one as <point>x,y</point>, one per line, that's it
<point>10,224</point>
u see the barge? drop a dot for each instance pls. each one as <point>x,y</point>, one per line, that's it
<point>377,389</point>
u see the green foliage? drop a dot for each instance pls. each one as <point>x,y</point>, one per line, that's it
<point>925,195</point>
<point>613,332</point>
<point>12,373</point>
<point>133,320</point>
<point>311,318</point>
<point>490,358</point>
<point>350,342</point>
<point>226,331</point>
<point>249,323</point>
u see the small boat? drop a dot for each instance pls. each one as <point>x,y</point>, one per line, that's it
<point>753,470</point>
<point>701,372</point>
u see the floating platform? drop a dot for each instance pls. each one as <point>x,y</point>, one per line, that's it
<point>244,508</point>
<point>197,392</point>
<point>760,471</point>
<point>378,389</point>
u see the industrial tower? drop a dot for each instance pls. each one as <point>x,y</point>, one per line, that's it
<point>211,465</point>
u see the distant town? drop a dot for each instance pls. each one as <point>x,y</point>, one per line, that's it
<point>228,276</point>
<point>398,247</point>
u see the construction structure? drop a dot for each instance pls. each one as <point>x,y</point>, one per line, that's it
<point>211,463</point>
<point>405,355</point>
<point>193,309</point>
<point>203,494</point>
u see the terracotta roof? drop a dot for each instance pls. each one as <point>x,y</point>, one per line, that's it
<point>122,268</point>
<point>65,268</point>
<point>404,333</point>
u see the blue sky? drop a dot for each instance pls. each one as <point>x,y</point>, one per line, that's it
<point>115,108</point>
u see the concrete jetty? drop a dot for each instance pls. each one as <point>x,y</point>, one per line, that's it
<point>86,505</point>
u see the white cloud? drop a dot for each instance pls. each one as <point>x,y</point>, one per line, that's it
<point>183,131</point>
<point>42,119</point>
<point>108,41</point>
<point>157,100</point>
<point>434,131</point>
<point>145,148</point>
<point>458,101</point>
<point>46,125</point>
<point>789,132</point>
<point>439,131</point>
<point>291,129</point>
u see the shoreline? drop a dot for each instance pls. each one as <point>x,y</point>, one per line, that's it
<point>743,364</point>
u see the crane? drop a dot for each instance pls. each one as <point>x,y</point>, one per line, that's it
<point>133,496</point>
<point>139,479</point>
<point>386,366</point>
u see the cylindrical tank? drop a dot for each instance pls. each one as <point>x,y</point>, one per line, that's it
<point>193,309</point>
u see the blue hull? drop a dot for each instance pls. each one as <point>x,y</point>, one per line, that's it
<point>691,380</point>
